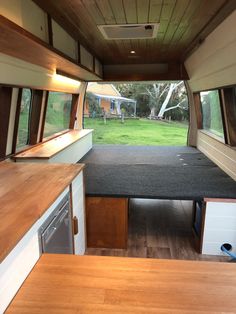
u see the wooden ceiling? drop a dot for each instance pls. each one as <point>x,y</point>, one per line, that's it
<point>183,25</point>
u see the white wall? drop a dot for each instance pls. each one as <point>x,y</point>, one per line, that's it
<point>26,14</point>
<point>86,58</point>
<point>223,155</point>
<point>213,64</point>
<point>17,72</point>
<point>63,41</point>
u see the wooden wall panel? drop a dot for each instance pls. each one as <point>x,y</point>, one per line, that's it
<point>213,64</point>
<point>5,109</point>
<point>36,107</point>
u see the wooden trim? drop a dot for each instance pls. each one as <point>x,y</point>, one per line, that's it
<point>63,73</point>
<point>228,106</point>
<point>17,118</point>
<point>50,32</point>
<point>52,147</point>
<point>220,200</point>
<point>78,51</point>
<point>44,116</point>
<point>74,107</point>
<point>202,226</point>
<point>94,64</point>
<point>198,109</point>
<point>5,110</point>
<point>223,116</point>
<point>36,107</point>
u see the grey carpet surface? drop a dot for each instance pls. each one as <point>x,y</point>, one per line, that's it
<point>154,172</point>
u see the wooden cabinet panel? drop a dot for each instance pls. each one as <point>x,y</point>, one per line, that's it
<point>107,222</point>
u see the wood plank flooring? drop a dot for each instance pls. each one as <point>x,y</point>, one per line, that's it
<point>159,229</point>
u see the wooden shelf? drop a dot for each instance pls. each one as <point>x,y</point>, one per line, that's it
<point>19,43</point>
<point>52,147</point>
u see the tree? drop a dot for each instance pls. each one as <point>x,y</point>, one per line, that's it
<point>93,103</point>
<point>159,97</point>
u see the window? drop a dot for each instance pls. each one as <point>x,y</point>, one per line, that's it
<point>58,113</point>
<point>23,127</point>
<point>211,113</point>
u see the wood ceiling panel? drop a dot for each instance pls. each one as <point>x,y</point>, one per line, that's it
<point>186,20</point>
<point>143,10</point>
<point>155,11</point>
<point>106,11</point>
<point>118,11</point>
<point>205,12</point>
<point>178,13</point>
<point>181,23</point>
<point>94,11</point>
<point>130,11</point>
<point>166,13</point>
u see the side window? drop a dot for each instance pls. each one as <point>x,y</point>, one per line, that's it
<point>58,113</point>
<point>211,113</point>
<point>23,127</point>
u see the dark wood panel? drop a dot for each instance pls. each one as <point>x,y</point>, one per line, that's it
<point>107,222</point>
<point>5,109</point>
<point>229,110</point>
<point>198,109</point>
<point>35,113</point>
<point>74,106</point>
<point>176,71</point>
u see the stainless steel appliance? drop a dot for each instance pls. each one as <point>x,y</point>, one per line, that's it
<point>55,235</point>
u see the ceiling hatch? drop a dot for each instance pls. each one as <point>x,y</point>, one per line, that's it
<point>129,31</point>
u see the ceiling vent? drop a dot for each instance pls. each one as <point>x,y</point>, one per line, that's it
<point>129,31</point>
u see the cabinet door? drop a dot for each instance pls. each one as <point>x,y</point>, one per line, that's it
<point>77,193</point>
<point>107,222</point>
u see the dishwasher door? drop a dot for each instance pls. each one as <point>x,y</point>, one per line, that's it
<point>57,237</point>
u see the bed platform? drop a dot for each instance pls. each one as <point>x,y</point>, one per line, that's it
<point>162,172</point>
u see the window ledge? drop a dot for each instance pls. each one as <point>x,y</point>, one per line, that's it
<point>218,138</point>
<point>54,146</point>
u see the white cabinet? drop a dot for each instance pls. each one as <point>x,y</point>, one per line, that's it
<point>79,213</point>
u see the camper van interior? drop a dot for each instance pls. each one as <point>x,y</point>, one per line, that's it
<point>96,228</point>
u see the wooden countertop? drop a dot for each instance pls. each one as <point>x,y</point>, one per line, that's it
<point>52,147</point>
<point>95,284</point>
<point>26,192</point>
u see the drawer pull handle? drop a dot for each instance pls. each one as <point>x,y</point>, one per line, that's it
<point>76,225</point>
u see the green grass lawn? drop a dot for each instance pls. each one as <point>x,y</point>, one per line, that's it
<point>137,132</point>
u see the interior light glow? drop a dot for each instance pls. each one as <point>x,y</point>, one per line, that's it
<point>132,51</point>
<point>65,80</point>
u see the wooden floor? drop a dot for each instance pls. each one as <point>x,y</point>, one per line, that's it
<point>159,229</point>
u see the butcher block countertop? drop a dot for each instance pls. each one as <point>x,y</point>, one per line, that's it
<point>54,146</point>
<point>96,284</point>
<point>26,192</point>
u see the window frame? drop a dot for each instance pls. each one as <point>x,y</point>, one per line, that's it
<point>73,117</point>
<point>229,136</point>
